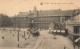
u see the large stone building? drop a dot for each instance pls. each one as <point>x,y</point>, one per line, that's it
<point>73,26</point>
<point>42,19</point>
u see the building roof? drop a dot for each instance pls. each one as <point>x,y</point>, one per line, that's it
<point>22,14</point>
<point>56,13</point>
<point>50,13</point>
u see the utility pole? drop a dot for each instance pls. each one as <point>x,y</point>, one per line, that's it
<point>18,38</point>
<point>24,34</point>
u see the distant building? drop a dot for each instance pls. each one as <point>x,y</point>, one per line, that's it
<point>41,19</point>
<point>73,25</point>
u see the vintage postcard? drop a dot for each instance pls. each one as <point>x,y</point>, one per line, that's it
<point>39,24</point>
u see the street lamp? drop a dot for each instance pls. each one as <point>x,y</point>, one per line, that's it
<point>18,38</point>
<point>54,31</point>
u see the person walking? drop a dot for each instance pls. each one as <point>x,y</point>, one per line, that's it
<point>54,33</point>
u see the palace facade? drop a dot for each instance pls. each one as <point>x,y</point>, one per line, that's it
<point>42,19</point>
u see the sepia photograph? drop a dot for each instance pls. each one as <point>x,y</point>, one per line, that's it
<point>39,24</point>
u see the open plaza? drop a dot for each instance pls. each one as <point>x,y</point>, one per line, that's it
<point>9,38</point>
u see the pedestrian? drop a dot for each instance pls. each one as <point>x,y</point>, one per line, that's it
<point>66,32</point>
<point>2,37</point>
<point>54,32</point>
<point>24,34</point>
<point>64,47</point>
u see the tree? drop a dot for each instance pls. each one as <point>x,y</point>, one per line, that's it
<point>5,21</point>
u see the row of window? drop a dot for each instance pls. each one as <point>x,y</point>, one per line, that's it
<point>45,20</point>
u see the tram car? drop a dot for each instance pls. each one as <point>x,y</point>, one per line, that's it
<point>35,32</point>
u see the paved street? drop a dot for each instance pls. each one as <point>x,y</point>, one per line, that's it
<point>44,41</point>
<point>10,39</point>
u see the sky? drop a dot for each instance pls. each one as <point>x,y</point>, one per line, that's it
<point>13,7</point>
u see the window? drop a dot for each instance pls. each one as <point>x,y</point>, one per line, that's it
<point>76,29</point>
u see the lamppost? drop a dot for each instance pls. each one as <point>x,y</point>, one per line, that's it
<point>18,37</point>
<point>54,31</point>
